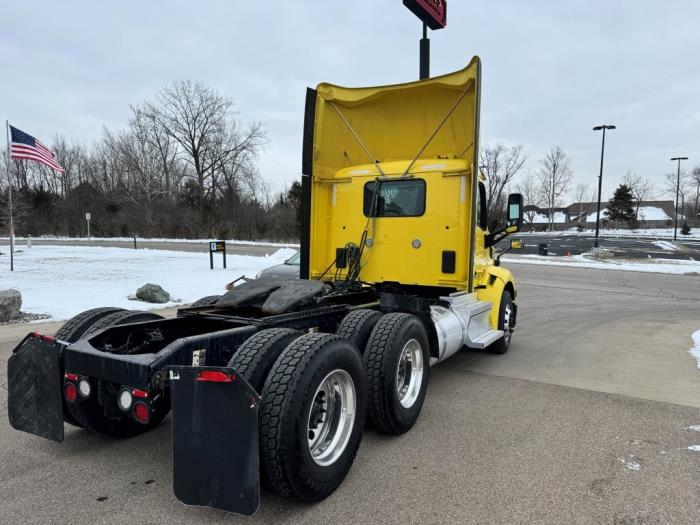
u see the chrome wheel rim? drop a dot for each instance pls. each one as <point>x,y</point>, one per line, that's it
<point>331,417</point>
<point>409,373</point>
<point>507,315</point>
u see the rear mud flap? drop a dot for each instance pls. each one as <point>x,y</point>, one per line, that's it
<point>215,439</point>
<point>34,394</point>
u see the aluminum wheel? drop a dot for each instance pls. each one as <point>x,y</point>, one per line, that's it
<point>331,418</point>
<point>409,373</point>
<point>507,317</point>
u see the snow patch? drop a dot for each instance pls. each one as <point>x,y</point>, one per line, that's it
<point>666,245</point>
<point>632,465</point>
<point>154,240</point>
<point>695,351</point>
<point>62,281</point>
<point>694,448</point>
<point>677,267</point>
<point>652,213</point>
<point>540,218</point>
<point>694,428</point>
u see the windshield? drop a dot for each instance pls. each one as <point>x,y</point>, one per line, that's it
<point>294,259</point>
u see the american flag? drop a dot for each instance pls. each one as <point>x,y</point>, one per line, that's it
<point>24,146</point>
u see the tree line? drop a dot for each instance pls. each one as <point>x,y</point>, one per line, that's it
<point>549,183</point>
<point>184,166</point>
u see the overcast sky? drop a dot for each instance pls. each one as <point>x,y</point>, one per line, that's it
<point>552,69</point>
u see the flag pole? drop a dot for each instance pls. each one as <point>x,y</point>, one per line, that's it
<point>9,190</point>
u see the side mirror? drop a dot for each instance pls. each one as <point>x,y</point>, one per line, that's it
<point>515,210</point>
<point>516,244</point>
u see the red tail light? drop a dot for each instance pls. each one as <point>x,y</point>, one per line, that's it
<point>215,376</point>
<point>47,338</point>
<point>70,392</point>
<point>139,393</point>
<point>71,377</point>
<point>141,412</point>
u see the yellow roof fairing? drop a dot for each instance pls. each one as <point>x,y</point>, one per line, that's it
<point>356,126</point>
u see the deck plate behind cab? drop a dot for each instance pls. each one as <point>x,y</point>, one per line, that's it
<point>215,441</point>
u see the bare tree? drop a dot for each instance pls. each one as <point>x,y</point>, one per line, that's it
<point>554,177</point>
<point>582,194</point>
<point>500,165</point>
<point>685,188</point>
<point>694,196</point>
<point>201,121</point>
<point>530,189</point>
<point>641,188</point>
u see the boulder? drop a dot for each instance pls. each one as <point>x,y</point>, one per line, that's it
<point>152,293</point>
<point>10,304</point>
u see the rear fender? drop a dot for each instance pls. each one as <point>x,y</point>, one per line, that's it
<point>215,439</point>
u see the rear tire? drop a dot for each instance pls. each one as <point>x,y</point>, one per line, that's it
<point>397,366</point>
<point>505,323</point>
<point>91,415</point>
<point>311,416</point>
<point>73,330</point>
<point>209,300</point>
<point>123,317</point>
<point>255,357</point>
<point>357,326</point>
<point>76,327</point>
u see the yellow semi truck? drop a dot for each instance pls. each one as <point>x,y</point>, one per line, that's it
<point>276,378</point>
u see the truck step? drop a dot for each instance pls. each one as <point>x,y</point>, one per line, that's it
<point>487,338</point>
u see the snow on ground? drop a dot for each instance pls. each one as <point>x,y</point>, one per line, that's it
<point>694,428</point>
<point>142,239</point>
<point>62,281</point>
<point>580,261</point>
<point>540,218</point>
<point>665,245</point>
<point>695,352</point>
<point>654,233</point>
<point>694,448</point>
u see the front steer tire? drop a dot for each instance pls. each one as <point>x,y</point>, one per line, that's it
<point>291,392</point>
<point>90,414</point>
<point>505,323</point>
<point>389,409</point>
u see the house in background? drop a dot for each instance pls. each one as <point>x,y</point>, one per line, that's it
<point>651,214</point>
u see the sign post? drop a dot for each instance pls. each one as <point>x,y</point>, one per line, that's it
<point>433,13</point>
<point>88,216</point>
<point>216,247</point>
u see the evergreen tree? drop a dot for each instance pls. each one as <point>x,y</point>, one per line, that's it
<point>621,206</point>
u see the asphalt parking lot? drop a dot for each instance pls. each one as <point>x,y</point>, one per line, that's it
<point>627,247</point>
<point>585,420</point>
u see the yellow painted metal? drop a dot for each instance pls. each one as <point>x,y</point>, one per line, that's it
<point>353,128</point>
<point>362,134</point>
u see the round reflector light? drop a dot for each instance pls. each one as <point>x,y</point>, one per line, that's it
<point>84,387</point>
<point>70,391</point>
<point>125,400</point>
<point>141,412</point>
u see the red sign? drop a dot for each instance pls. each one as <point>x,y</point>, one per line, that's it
<point>432,12</point>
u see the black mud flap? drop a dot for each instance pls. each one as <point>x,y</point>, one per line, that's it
<point>34,394</point>
<point>215,439</point>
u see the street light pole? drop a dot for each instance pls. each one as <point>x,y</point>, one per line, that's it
<point>604,127</point>
<point>424,54</point>
<point>678,187</point>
